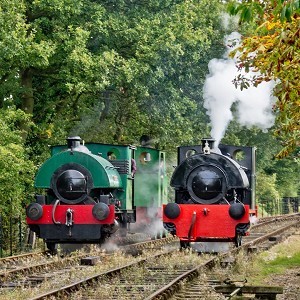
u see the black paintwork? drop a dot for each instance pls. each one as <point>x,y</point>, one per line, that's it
<point>61,233</point>
<point>211,178</point>
<point>71,183</point>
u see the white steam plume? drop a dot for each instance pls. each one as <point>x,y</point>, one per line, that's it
<point>254,104</point>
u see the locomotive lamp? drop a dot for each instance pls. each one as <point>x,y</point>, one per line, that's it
<point>207,145</point>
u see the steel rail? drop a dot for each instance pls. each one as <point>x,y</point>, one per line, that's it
<point>169,289</point>
<point>20,256</point>
<point>26,270</point>
<point>93,279</point>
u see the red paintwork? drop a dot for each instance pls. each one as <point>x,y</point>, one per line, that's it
<point>82,214</point>
<point>216,224</point>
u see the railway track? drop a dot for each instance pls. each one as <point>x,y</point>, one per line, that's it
<point>58,271</point>
<point>199,287</point>
<point>270,226</point>
<point>10,277</point>
<point>269,220</point>
<point>28,263</point>
<point>161,276</point>
<point>11,261</point>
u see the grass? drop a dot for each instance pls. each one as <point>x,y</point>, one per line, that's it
<point>274,261</point>
<point>280,264</point>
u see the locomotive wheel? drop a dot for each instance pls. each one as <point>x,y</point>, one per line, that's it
<point>238,240</point>
<point>52,247</point>
<point>123,225</point>
<point>184,245</point>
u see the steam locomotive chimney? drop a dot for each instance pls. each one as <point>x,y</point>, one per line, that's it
<point>207,145</point>
<point>73,142</point>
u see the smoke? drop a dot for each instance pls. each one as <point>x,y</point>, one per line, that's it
<point>110,245</point>
<point>253,220</point>
<point>254,104</point>
<point>148,222</point>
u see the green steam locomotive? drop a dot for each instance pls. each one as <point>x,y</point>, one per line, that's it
<point>89,191</point>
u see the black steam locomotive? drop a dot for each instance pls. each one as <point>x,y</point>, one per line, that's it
<point>214,193</point>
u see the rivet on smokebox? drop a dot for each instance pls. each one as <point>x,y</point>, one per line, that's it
<point>205,211</point>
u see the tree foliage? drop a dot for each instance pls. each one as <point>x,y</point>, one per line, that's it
<point>267,195</point>
<point>161,46</point>
<point>276,178</point>
<point>17,171</point>
<point>273,50</point>
<point>108,70</point>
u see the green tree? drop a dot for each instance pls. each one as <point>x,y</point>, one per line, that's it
<point>45,62</point>
<point>165,46</point>
<point>126,64</point>
<point>273,49</point>
<point>287,178</point>
<point>267,193</point>
<point>17,172</point>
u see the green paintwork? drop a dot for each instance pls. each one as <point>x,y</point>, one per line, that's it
<point>149,186</point>
<point>150,179</point>
<point>120,153</point>
<point>103,173</point>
